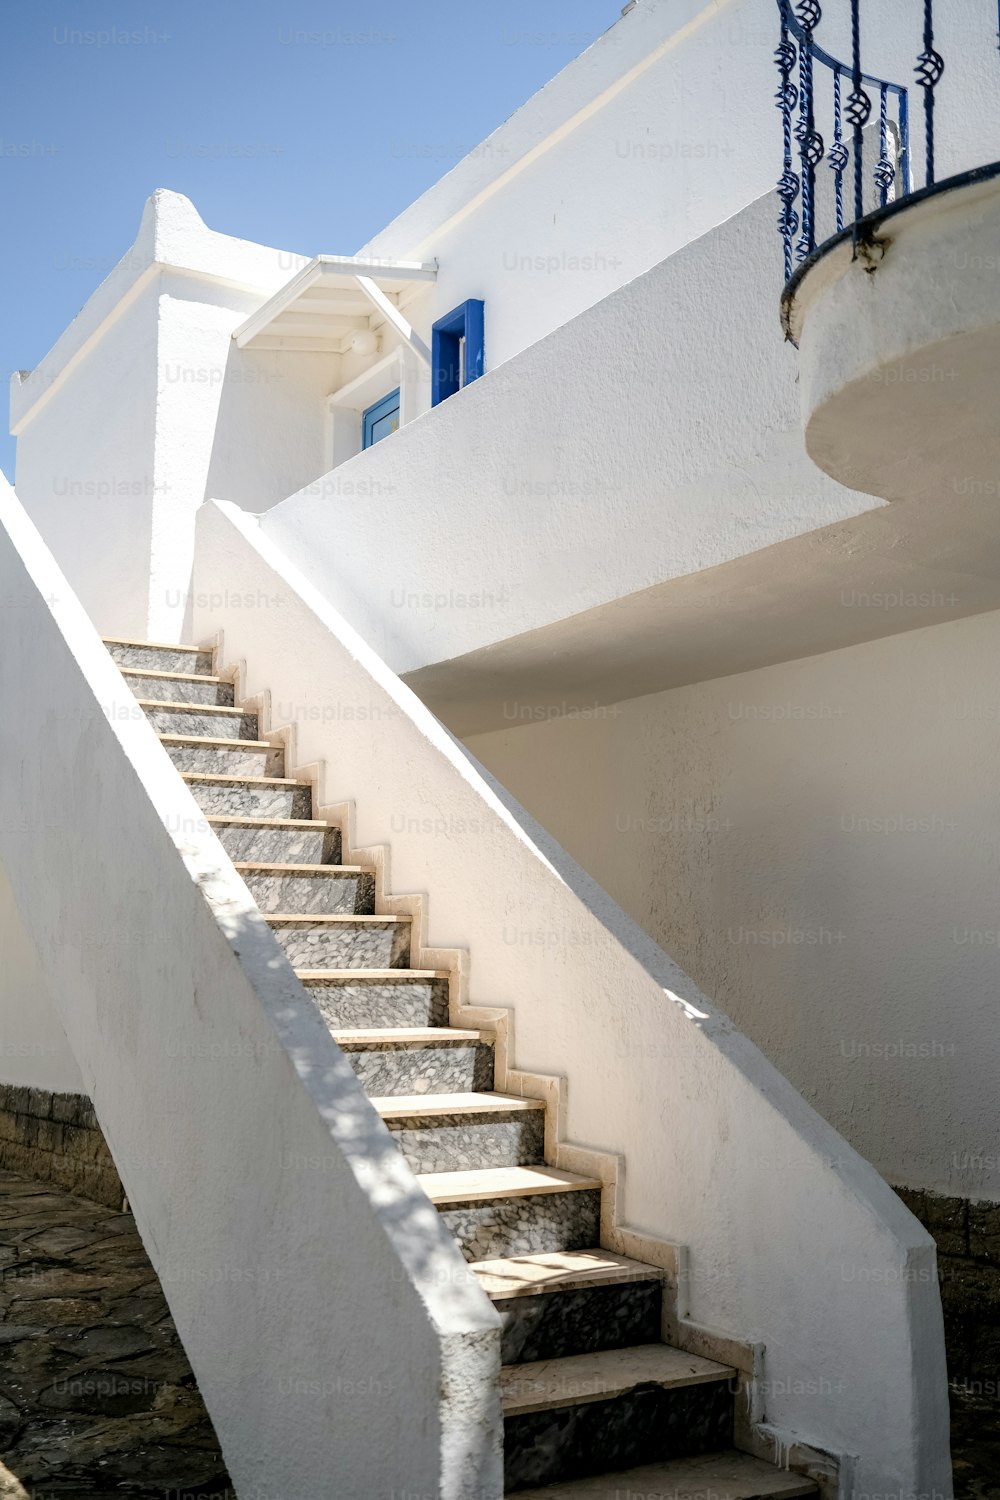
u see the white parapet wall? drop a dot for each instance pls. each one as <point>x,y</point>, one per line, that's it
<point>33,1046</point>
<point>627,449</point>
<point>792,1238</point>
<point>338,1338</point>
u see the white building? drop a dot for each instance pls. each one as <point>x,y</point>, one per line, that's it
<point>720,613</point>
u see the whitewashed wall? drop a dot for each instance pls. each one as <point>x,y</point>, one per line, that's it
<point>315,1290</point>
<point>626,448</point>
<point>818,844</point>
<point>33,1045</point>
<point>793,1239</point>
<point>122,421</point>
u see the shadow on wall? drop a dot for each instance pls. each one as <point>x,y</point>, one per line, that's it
<point>270,434</point>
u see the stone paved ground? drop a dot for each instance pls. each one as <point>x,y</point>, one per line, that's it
<point>97,1398</point>
<point>975,1445</point>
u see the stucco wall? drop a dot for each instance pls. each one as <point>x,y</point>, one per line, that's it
<point>86,468</point>
<point>33,1046</point>
<point>625,449</point>
<point>793,1239</point>
<point>315,1289</point>
<point>818,843</point>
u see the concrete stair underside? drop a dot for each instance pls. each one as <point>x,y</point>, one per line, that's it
<point>587,1385</point>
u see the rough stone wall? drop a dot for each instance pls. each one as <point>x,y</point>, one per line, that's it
<point>968,1240</point>
<point>56,1138</point>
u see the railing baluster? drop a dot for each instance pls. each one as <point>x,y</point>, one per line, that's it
<point>930,66</point>
<point>859,108</point>
<point>786,99</point>
<point>885,172</point>
<point>839,154</point>
<point>808,13</point>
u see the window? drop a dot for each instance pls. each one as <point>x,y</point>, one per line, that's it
<point>379,420</point>
<point>459,350</point>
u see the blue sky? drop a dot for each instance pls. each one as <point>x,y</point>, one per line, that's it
<point>302,124</point>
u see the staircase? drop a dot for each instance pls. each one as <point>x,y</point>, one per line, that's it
<point>595,1404</point>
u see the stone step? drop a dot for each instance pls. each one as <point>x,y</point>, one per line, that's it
<point>508,1211</point>
<point>462,1132</point>
<point>568,1418</point>
<point>223,757</point>
<point>200,720</point>
<point>403,1060</point>
<point>288,841</point>
<point>159,657</point>
<point>342,942</point>
<point>352,998</point>
<point>178,687</point>
<point>320,889</point>
<point>250,796</point>
<point>572,1302</point>
<point>710,1476</point>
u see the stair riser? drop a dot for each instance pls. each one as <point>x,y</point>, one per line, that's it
<point>251,801</point>
<point>162,659</point>
<point>369,1003</point>
<point>206,725</point>
<point>650,1425</point>
<point>282,846</point>
<point>424,1070</point>
<point>347,948</point>
<point>327,895</point>
<point>555,1324</point>
<point>525,1226</point>
<point>169,690</point>
<point>225,762</point>
<point>463,1145</point>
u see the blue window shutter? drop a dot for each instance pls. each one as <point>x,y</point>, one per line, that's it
<point>467,322</point>
<point>380,420</point>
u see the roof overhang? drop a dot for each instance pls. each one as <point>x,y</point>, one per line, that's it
<point>333,298</point>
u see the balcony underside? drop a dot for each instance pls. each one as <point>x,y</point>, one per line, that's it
<point>894,568</point>
<point>899,336</point>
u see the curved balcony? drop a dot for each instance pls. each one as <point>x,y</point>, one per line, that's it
<point>897,320</point>
<point>897,312</point>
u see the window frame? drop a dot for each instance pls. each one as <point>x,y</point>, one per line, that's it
<point>449,371</point>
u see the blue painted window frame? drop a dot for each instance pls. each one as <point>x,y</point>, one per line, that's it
<point>374,413</point>
<point>448,372</point>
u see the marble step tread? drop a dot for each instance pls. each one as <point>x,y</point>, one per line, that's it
<point>258,867</point>
<point>180,677</point>
<point>501,1182</point>
<point>434,1106</point>
<point>305,825</point>
<point>379,976</point>
<point>211,778</point>
<point>360,1040</point>
<point>324,919</point>
<point>710,1476</point>
<point>121,640</point>
<point>206,742</point>
<point>577,1379</point>
<point>220,711</point>
<point>560,1271</point>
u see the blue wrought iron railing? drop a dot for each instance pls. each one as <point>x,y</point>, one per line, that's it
<point>849,97</point>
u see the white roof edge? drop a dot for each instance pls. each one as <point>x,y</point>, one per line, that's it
<point>171,236</point>
<point>631,44</point>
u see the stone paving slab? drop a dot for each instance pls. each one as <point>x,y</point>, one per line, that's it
<point>975,1444</point>
<point>96,1394</point>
